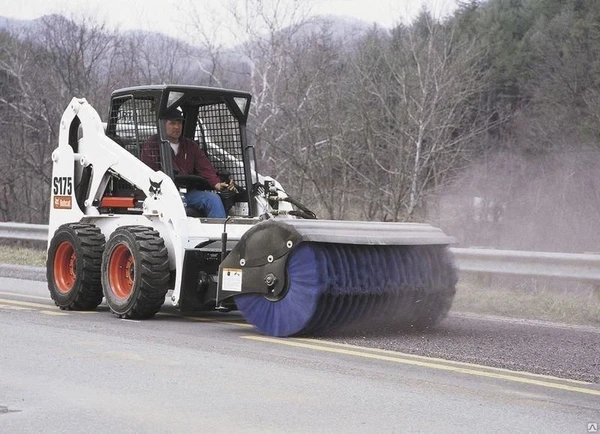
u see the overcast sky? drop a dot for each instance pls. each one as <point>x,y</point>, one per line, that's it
<point>167,16</point>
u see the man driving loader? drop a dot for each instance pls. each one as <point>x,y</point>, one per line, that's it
<point>188,159</point>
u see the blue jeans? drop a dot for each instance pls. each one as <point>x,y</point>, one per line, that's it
<point>207,202</point>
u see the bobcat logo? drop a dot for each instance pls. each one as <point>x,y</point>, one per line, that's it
<point>155,189</point>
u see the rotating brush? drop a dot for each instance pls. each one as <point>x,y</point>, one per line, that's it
<point>331,286</point>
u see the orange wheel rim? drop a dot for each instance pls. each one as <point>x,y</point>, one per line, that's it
<point>65,272</point>
<point>121,271</point>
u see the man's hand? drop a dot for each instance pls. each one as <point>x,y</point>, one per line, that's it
<point>224,185</point>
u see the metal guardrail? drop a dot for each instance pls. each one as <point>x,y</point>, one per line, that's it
<point>571,266</point>
<point>23,231</point>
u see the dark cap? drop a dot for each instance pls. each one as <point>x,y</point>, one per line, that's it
<point>174,113</point>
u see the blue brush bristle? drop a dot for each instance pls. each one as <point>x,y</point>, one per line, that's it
<point>292,313</point>
<point>333,285</point>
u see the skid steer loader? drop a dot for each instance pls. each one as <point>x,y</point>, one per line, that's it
<point>120,230</point>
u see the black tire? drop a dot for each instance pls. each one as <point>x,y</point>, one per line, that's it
<point>135,272</point>
<point>73,266</point>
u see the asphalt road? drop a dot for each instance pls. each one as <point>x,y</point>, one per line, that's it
<point>84,372</point>
<point>559,350</point>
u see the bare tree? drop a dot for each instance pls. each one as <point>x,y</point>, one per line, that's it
<point>44,68</point>
<point>25,133</point>
<point>308,132</point>
<point>418,98</point>
<point>78,52</point>
<point>287,70</point>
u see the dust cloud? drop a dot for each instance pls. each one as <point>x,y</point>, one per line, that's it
<point>534,203</point>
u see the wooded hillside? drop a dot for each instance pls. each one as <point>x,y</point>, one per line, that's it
<point>486,123</point>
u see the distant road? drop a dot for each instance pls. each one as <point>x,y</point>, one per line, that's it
<point>80,372</point>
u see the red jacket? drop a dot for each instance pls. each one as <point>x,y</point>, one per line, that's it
<point>189,160</point>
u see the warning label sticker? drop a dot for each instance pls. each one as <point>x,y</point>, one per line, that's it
<point>232,279</point>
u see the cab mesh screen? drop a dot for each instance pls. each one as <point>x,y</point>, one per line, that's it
<point>218,133</point>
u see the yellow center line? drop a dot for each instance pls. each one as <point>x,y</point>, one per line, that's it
<point>25,303</point>
<point>426,364</point>
<point>8,306</point>
<point>15,294</point>
<point>239,324</point>
<point>442,361</point>
<point>218,321</point>
<point>199,319</point>
<point>53,313</point>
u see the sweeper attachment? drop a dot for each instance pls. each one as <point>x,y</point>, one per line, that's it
<point>123,233</point>
<point>310,277</point>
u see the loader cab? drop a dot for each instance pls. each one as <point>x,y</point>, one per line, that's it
<point>214,118</point>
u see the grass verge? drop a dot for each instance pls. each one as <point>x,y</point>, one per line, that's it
<point>22,255</point>
<point>565,302</point>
